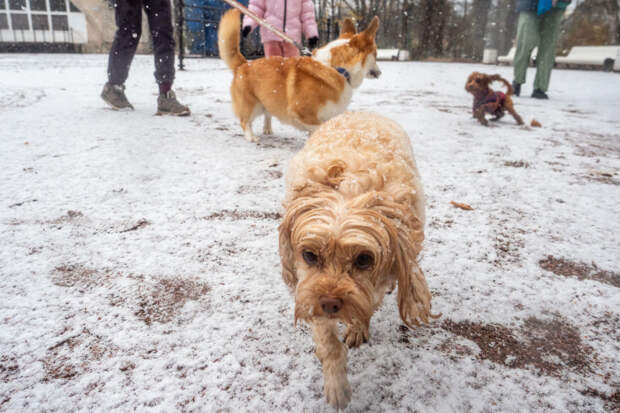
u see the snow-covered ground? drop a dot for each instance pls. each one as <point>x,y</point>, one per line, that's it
<point>139,268</point>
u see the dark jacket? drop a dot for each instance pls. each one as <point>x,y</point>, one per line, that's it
<point>532,5</point>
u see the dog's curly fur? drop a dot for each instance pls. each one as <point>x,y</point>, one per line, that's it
<point>486,100</point>
<point>353,228</point>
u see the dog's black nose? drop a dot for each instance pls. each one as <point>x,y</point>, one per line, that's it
<point>330,305</point>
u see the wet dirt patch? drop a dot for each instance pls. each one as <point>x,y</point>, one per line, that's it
<point>280,142</point>
<point>602,178</point>
<point>140,224</point>
<point>548,346</point>
<point>611,401</point>
<point>162,301</point>
<point>579,270</point>
<point>77,275</point>
<point>8,368</point>
<point>517,164</point>
<point>441,223</point>
<point>273,174</point>
<point>18,204</point>
<point>218,252</point>
<point>73,356</point>
<point>238,215</point>
<point>508,237</point>
<point>70,216</point>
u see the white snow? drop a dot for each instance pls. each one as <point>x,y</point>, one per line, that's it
<point>139,268</point>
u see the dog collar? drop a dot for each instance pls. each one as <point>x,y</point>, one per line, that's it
<point>344,72</point>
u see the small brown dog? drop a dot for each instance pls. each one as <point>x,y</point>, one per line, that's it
<point>486,100</point>
<point>353,228</point>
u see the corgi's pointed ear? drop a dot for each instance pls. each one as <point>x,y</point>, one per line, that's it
<point>347,29</point>
<point>371,30</point>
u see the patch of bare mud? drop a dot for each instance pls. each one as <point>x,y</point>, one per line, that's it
<point>238,215</point>
<point>75,355</point>
<point>162,301</point>
<point>579,270</point>
<point>77,275</point>
<point>548,346</point>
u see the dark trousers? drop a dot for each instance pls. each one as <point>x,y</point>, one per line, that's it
<point>128,14</point>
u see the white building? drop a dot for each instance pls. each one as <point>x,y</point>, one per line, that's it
<point>58,25</point>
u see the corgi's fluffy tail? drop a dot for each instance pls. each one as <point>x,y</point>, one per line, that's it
<point>228,39</point>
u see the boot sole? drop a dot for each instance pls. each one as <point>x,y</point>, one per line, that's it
<point>114,107</point>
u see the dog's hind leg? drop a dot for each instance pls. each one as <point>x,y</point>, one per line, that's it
<point>332,354</point>
<point>247,118</point>
<point>267,124</point>
<point>511,109</point>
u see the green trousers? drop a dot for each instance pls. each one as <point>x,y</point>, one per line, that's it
<point>542,31</point>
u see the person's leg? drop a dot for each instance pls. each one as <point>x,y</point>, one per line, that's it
<point>160,26</point>
<point>549,34</point>
<point>128,16</point>
<point>272,49</point>
<point>289,50</point>
<point>527,40</point>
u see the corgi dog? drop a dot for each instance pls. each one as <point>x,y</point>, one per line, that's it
<point>300,91</point>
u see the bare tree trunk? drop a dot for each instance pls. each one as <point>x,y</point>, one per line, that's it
<point>480,12</point>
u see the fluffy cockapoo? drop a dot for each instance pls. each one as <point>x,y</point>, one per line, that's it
<point>353,228</point>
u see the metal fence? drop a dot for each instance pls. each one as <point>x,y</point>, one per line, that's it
<point>197,26</point>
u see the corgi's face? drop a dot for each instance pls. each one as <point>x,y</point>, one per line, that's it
<point>356,52</point>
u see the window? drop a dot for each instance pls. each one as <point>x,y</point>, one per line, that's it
<point>73,8</point>
<point>17,4</point>
<point>2,5</point>
<point>20,22</point>
<point>58,5</point>
<point>4,22</point>
<point>60,23</point>
<point>38,5</point>
<point>39,22</point>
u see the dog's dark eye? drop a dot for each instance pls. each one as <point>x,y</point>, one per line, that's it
<point>478,80</point>
<point>310,257</point>
<point>363,261</point>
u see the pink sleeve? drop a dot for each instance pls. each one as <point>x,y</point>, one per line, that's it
<point>308,21</point>
<point>257,7</point>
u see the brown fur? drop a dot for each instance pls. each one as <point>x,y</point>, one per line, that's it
<point>294,89</point>
<point>353,190</point>
<point>478,85</point>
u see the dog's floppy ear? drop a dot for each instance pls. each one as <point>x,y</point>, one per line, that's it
<point>406,236</point>
<point>347,29</point>
<point>371,30</point>
<point>287,253</point>
<point>295,209</point>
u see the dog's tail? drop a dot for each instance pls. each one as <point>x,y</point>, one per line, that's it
<point>228,39</point>
<point>504,81</point>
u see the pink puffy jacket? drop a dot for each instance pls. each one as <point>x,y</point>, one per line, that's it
<point>290,16</point>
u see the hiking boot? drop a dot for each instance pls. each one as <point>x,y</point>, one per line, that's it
<point>539,94</point>
<point>516,88</point>
<point>114,95</point>
<point>167,104</point>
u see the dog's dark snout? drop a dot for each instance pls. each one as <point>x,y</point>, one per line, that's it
<point>330,305</point>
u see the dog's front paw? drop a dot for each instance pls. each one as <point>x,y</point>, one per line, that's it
<point>337,391</point>
<point>484,122</point>
<point>251,137</point>
<point>355,335</point>
<point>267,130</point>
